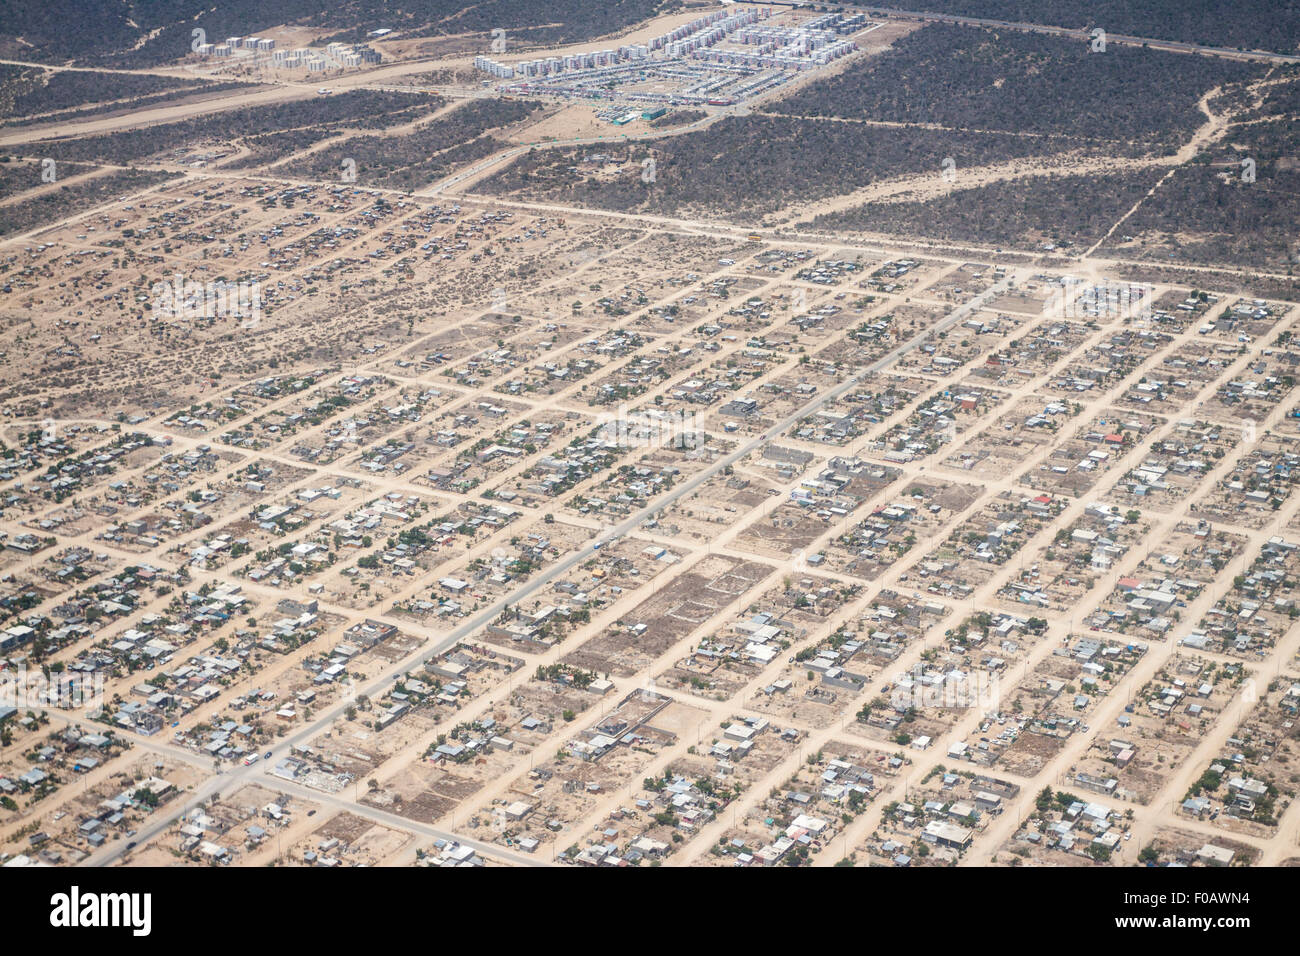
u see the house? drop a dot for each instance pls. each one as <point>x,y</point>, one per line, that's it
<point>518,810</point>
<point>1212,855</point>
<point>946,834</point>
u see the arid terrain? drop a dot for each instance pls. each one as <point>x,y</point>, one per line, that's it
<point>828,437</point>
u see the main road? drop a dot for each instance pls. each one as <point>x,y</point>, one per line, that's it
<point>1173,46</point>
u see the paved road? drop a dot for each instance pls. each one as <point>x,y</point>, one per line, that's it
<point>1081,34</point>
<point>217,784</point>
<point>498,158</point>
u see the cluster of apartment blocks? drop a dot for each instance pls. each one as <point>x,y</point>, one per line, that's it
<point>555,65</point>
<point>336,55</point>
<point>706,31</point>
<point>782,48</point>
<point>232,44</point>
<point>676,43</point>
